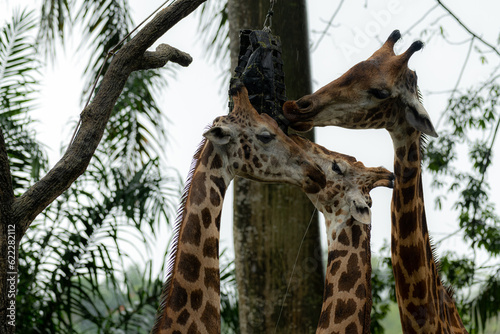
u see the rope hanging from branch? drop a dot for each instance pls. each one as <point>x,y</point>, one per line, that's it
<point>269,17</point>
<point>260,69</point>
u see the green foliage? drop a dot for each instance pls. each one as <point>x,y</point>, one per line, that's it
<point>486,304</point>
<point>230,320</point>
<point>73,262</point>
<point>457,272</point>
<point>106,23</point>
<point>130,139</point>
<point>131,306</point>
<point>214,24</point>
<point>54,15</point>
<point>18,86</point>
<point>471,124</point>
<point>383,287</point>
<point>472,121</point>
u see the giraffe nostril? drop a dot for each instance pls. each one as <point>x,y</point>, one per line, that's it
<point>304,104</point>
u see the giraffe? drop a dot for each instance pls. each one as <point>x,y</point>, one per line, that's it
<point>242,143</point>
<point>381,92</point>
<point>345,203</point>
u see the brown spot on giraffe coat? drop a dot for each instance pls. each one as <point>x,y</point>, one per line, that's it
<point>179,297</point>
<point>343,238</point>
<point>324,319</point>
<point>189,267</point>
<point>183,317</point>
<point>211,248</point>
<point>216,162</point>
<point>214,197</point>
<point>210,313</point>
<point>343,310</point>
<point>206,217</point>
<point>192,230</point>
<point>196,299</point>
<point>349,278</point>
<point>198,193</point>
<point>193,329</point>
<point>356,235</point>
<point>212,279</point>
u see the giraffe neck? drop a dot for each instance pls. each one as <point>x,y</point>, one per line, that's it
<point>424,303</point>
<point>347,298</point>
<point>190,300</point>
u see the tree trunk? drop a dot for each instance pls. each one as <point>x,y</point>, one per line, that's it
<point>271,220</point>
<point>9,246</point>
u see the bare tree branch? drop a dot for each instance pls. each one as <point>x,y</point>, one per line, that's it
<point>419,20</point>
<point>95,116</point>
<point>467,29</point>
<point>161,56</point>
<point>328,26</point>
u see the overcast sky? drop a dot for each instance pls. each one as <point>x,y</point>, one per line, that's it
<point>196,97</point>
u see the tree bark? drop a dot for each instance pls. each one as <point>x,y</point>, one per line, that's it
<point>271,220</point>
<point>8,245</point>
<point>16,214</point>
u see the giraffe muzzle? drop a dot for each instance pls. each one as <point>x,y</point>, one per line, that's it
<point>386,180</point>
<point>300,113</point>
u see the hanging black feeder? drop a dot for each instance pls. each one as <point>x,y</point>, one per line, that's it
<point>260,69</point>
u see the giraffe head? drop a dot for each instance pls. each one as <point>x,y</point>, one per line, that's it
<point>380,92</point>
<point>348,183</point>
<point>252,145</point>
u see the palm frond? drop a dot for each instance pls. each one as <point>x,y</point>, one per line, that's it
<point>79,260</point>
<point>135,132</point>
<point>230,321</point>
<point>55,18</point>
<point>106,23</point>
<point>18,86</point>
<point>17,57</point>
<point>486,305</point>
<point>214,24</point>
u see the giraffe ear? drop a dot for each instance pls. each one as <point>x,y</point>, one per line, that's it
<point>418,117</point>
<point>360,210</point>
<point>218,135</point>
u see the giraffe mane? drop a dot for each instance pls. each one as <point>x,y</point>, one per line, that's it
<point>176,233</point>
<point>424,140</point>
<point>420,96</point>
<point>447,287</point>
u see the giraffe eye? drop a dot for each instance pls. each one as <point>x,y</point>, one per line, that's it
<point>380,93</point>
<point>336,168</point>
<point>265,137</point>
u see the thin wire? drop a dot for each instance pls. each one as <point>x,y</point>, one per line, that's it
<point>110,53</point>
<point>295,265</point>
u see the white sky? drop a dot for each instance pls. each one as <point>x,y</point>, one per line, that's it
<point>195,97</point>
